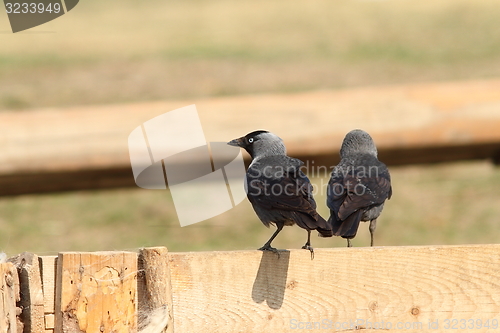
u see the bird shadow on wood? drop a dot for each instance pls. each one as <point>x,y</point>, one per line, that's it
<point>270,283</point>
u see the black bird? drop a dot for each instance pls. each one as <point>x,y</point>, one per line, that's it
<point>358,187</point>
<point>280,193</point>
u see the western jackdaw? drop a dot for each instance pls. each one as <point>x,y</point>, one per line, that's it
<point>358,187</point>
<point>280,193</point>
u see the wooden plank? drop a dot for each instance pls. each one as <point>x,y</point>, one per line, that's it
<point>155,290</point>
<point>86,147</point>
<point>415,289</point>
<point>49,322</point>
<point>48,269</point>
<point>97,292</point>
<point>9,295</point>
<point>32,300</point>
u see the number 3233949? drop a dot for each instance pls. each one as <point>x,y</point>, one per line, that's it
<point>32,8</point>
<point>470,324</point>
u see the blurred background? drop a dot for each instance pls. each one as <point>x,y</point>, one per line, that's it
<point>118,53</point>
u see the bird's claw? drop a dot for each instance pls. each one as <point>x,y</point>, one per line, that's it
<point>309,247</point>
<point>270,249</point>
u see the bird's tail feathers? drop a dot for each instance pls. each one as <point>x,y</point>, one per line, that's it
<point>315,222</point>
<point>324,228</point>
<point>347,228</point>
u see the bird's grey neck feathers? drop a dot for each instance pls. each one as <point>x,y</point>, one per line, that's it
<point>358,141</point>
<point>268,144</point>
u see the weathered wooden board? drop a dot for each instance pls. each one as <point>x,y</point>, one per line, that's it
<point>97,292</point>
<point>49,273</point>
<point>410,289</point>
<point>32,300</point>
<point>86,147</point>
<point>155,291</point>
<point>9,295</point>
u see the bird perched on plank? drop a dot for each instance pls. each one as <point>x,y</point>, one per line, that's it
<point>280,193</point>
<point>358,187</point>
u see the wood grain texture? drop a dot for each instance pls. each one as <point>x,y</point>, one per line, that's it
<point>48,268</point>
<point>86,147</point>
<point>155,290</point>
<point>411,289</point>
<point>49,322</point>
<point>97,292</point>
<point>9,295</point>
<point>32,300</point>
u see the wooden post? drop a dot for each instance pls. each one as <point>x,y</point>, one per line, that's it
<point>30,281</point>
<point>9,295</point>
<point>155,296</point>
<point>96,292</point>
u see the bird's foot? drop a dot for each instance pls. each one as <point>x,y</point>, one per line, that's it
<point>269,248</point>
<point>310,248</point>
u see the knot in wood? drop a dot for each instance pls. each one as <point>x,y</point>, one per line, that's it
<point>9,280</point>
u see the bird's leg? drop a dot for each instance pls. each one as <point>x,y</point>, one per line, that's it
<point>267,246</point>
<point>349,243</point>
<point>373,226</point>
<point>308,246</point>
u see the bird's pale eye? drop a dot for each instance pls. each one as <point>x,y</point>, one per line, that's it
<point>250,140</point>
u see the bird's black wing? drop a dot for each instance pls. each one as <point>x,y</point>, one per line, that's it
<point>336,191</point>
<point>281,185</point>
<point>353,189</point>
<point>366,193</point>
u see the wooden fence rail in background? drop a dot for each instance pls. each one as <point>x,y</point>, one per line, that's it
<point>86,147</point>
<point>410,289</point>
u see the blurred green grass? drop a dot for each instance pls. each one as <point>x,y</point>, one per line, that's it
<point>437,204</point>
<point>108,52</point>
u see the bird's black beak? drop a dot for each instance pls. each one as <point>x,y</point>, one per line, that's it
<point>240,142</point>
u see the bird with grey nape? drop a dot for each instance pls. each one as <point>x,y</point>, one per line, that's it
<point>280,193</point>
<point>358,186</point>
